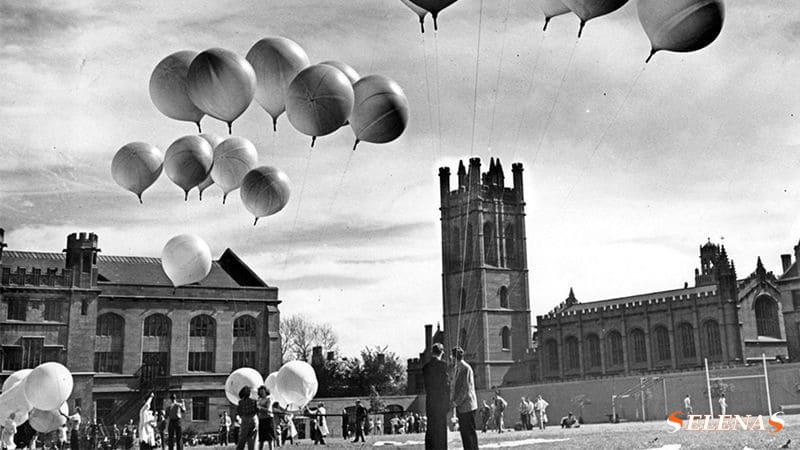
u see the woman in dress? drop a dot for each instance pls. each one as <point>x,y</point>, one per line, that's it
<point>247,410</point>
<point>266,426</point>
<point>147,426</point>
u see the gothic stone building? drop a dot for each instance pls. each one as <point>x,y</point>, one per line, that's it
<point>123,330</point>
<point>720,318</point>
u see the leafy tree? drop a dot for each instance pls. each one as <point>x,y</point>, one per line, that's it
<point>383,370</point>
<point>299,336</point>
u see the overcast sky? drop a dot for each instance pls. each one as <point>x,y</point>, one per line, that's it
<point>628,168</point>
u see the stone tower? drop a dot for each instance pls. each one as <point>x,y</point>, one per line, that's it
<point>484,269</point>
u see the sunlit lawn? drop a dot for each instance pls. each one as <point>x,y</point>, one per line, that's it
<point>600,436</point>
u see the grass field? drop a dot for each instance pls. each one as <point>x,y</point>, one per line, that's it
<point>601,436</point>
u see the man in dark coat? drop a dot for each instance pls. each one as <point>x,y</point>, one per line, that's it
<point>361,420</point>
<point>437,399</point>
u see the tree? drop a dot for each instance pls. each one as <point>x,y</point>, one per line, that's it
<point>299,336</point>
<point>384,370</point>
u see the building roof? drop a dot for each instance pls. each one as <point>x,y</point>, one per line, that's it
<point>227,272</point>
<point>684,292</point>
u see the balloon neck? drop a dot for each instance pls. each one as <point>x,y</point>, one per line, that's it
<point>355,144</point>
<point>546,21</point>
<point>186,196</point>
<point>652,52</point>
<point>580,30</point>
<point>435,22</point>
<point>230,127</point>
<point>275,124</point>
<point>224,197</point>
<point>201,195</point>
<point>313,141</point>
<point>422,23</point>
<point>199,129</point>
<point>255,222</point>
<point>140,198</point>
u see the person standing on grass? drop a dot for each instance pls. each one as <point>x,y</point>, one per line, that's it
<point>541,411</point>
<point>247,409</point>
<point>500,405</point>
<point>224,427</point>
<point>523,413</point>
<point>723,405</point>
<point>464,400</point>
<point>266,427</point>
<point>687,405</point>
<point>345,420</point>
<point>486,415</point>
<point>361,419</point>
<point>175,413</point>
<point>437,396</point>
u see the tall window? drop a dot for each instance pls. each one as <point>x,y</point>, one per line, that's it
<point>489,244</point>
<point>52,310</point>
<point>592,351</point>
<point>638,346</point>
<point>199,408</point>
<point>503,297</point>
<point>156,325</point>
<point>614,356</point>
<point>796,300</point>
<point>767,317</point>
<point>712,344</point>
<point>505,338</point>
<point>12,357</point>
<point>244,342</point>
<point>661,338</point>
<point>202,341</point>
<point>686,334</point>
<point>157,332</point>
<point>32,350</point>
<point>572,353</point>
<point>511,251</point>
<point>17,309</point>
<point>551,350</point>
<point>109,343</point>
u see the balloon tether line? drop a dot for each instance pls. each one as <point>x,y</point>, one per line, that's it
<point>528,91</point>
<point>475,90</point>
<point>297,211</point>
<point>438,92</point>
<point>499,72</point>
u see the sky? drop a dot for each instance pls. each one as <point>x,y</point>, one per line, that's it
<point>628,167</point>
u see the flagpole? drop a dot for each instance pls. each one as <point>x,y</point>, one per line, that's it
<point>766,382</point>
<point>708,387</point>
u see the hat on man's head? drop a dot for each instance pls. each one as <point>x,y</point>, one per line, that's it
<point>458,352</point>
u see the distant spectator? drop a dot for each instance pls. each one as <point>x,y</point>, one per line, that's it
<point>723,405</point>
<point>224,427</point>
<point>361,419</point>
<point>569,421</point>
<point>540,407</point>
<point>687,405</point>
<point>500,405</point>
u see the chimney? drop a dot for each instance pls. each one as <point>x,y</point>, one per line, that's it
<point>786,260</point>
<point>444,183</point>
<point>381,358</point>
<point>2,243</point>
<point>516,170</point>
<point>82,258</point>
<point>331,356</point>
<point>316,356</point>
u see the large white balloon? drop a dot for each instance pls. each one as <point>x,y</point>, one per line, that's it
<point>276,61</point>
<point>233,158</point>
<point>14,400</point>
<point>136,166</point>
<point>47,421</point>
<point>240,378</point>
<point>48,386</point>
<point>221,84</point>
<point>271,382</point>
<point>347,70</point>
<point>552,8</point>
<point>297,383</point>
<point>15,378</point>
<point>420,12</point>
<point>169,88</point>
<point>380,113</point>
<point>681,25</point>
<point>188,162</point>
<point>319,100</point>
<point>589,9</point>
<point>265,191</point>
<point>186,259</point>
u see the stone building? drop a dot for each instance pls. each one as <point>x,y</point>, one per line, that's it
<point>123,330</point>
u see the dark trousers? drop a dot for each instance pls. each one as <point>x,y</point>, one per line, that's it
<point>74,440</point>
<point>175,434</point>
<point>359,431</point>
<point>466,425</point>
<point>436,433</point>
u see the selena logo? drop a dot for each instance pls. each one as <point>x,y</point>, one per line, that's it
<point>726,422</point>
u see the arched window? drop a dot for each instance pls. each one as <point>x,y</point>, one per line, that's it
<point>614,355</point>
<point>573,355</point>
<point>244,342</point>
<point>638,345</point>
<point>592,351</point>
<point>511,249</point>
<point>463,299</point>
<point>661,338</point>
<point>202,343</point>
<point>462,341</point>
<point>157,332</point>
<point>470,249</point>
<point>767,317</point>
<point>202,326</point>
<point>551,351</point>
<point>489,244</point>
<point>712,345</point>
<point>156,325</point>
<point>109,343</point>
<point>503,297</point>
<point>505,338</point>
<point>686,336</point>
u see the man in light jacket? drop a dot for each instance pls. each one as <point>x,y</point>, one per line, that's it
<point>464,400</point>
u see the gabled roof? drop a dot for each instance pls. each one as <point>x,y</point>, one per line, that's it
<point>227,272</point>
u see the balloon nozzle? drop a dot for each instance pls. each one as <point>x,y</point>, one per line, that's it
<point>224,197</point>
<point>139,196</point>
<point>355,144</point>
<point>230,126</point>
<point>652,52</point>
<point>186,196</point>
<point>422,23</point>
<point>199,129</point>
<point>546,21</point>
<point>313,140</point>
<point>275,124</point>
<point>255,222</point>
<point>435,22</point>
<point>580,29</point>
<point>201,196</point>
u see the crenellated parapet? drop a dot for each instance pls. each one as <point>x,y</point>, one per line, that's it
<point>34,277</point>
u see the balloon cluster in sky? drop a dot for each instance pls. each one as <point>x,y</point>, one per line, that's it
<point>37,395</point>
<point>293,386</point>
<point>673,25</point>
